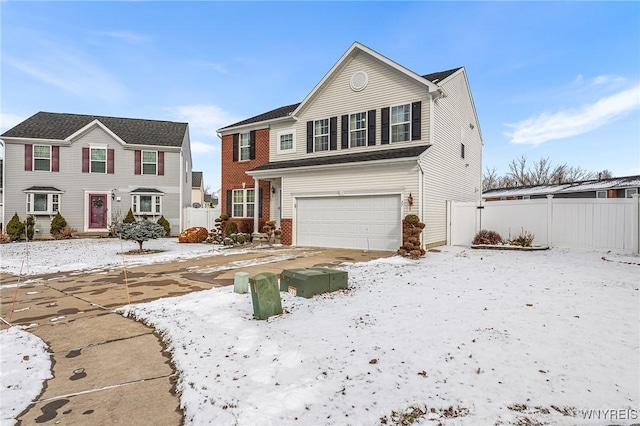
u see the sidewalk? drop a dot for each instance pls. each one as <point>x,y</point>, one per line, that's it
<point>112,370</point>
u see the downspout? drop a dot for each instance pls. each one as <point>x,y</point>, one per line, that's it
<point>182,173</point>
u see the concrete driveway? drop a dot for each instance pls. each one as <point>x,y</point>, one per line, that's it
<point>111,370</point>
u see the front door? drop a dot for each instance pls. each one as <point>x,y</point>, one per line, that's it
<point>97,211</point>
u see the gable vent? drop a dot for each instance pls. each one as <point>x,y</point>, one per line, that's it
<point>359,81</point>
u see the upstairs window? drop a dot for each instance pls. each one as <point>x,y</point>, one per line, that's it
<point>42,157</point>
<point>358,129</point>
<point>401,123</point>
<point>321,135</point>
<point>149,162</point>
<point>286,141</point>
<point>98,160</point>
<point>245,146</point>
<point>630,191</point>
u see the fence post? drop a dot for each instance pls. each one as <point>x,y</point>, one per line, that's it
<point>550,220</point>
<point>635,223</point>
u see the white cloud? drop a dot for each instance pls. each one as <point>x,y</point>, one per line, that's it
<point>202,148</point>
<point>9,120</point>
<point>128,36</point>
<point>70,71</point>
<point>212,65</point>
<point>567,123</point>
<point>203,119</point>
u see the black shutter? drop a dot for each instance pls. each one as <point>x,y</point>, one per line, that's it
<point>309,136</point>
<point>333,133</point>
<point>416,122</point>
<point>371,124</point>
<point>259,202</point>
<point>384,126</point>
<point>236,146</point>
<point>344,134</point>
<point>252,145</point>
<point>229,201</point>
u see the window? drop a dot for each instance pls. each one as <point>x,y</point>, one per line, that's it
<point>286,141</point>
<point>358,129</point>
<point>149,162</point>
<point>245,146</point>
<point>401,123</point>
<point>146,204</point>
<point>629,192</point>
<point>98,160</point>
<point>243,202</point>
<point>321,135</point>
<point>42,157</point>
<point>42,203</point>
<point>601,194</point>
<point>462,150</point>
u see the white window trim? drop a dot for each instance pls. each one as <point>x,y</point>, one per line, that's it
<point>142,163</point>
<point>156,198</point>
<point>391,124</point>
<point>606,195</point>
<point>322,135</point>
<point>33,159</point>
<point>293,146</point>
<point>629,192</point>
<point>365,129</point>
<point>244,202</point>
<point>50,211</point>
<point>247,146</point>
<point>106,159</point>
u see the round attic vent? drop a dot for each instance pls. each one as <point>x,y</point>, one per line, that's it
<point>359,81</point>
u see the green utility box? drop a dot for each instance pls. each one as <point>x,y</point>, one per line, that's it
<point>307,282</point>
<point>265,295</point>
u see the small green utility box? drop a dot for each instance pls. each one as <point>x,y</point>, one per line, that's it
<point>265,295</point>
<point>307,282</point>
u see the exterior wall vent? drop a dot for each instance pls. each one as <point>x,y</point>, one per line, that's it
<point>359,81</point>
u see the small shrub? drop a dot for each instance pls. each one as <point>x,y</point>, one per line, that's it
<point>129,218</point>
<point>487,237</point>
<point>65,233</point>
<point>145,217</point>
<point>524,239</point>
<point>30,223</point>
<point>270,230</point>
<point>4,238</point>
<point>241,239</point>
<point>165,224</point>
<point>140,231</point>
<point>57,224</point>
<point>230,228</point>
<point>196,234</point>
<point>15,228</point>
<point>411,230</point>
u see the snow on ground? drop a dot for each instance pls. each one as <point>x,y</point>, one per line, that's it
<point>41,257</point>
<point>24,366</point>
<point>462,337</point>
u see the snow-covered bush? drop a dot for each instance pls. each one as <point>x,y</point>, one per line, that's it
<point>487,237</point>
<point>140,231</point>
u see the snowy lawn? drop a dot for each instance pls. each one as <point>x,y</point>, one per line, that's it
<point>24,366</point>
<point>83,254</point>
<point>461,337</point>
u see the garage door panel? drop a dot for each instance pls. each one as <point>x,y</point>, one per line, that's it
<point>357,222</point>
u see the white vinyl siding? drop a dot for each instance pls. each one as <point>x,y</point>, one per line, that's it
<point>42,157</point>
<point>358,129</point>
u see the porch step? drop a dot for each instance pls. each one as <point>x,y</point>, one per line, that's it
<point>90,234</point>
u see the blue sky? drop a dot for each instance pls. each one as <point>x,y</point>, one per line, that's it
<point>549,79</point>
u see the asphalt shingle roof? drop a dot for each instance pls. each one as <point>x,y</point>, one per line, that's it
<point>58,126</point>
<point>579,186</point>
<point>387,154</point>
<point>43,189</point>
<point>196,179</point>
<point>147,190</point>
<point>437,77</point>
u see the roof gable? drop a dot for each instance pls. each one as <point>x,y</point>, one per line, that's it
<point>60,126</point>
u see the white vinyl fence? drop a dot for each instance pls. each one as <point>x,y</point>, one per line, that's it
<point>610,223</point>
<point>205,217</point>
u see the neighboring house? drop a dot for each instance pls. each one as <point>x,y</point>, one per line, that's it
<point>371,143</point>
<point>197,189</point>
<point>619,187</point>
<point>92,169</point>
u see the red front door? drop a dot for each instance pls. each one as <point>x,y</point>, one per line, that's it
<point>97,211</point>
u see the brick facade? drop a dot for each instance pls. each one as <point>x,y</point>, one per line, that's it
<point>286,226</point>
<point>234,175</point>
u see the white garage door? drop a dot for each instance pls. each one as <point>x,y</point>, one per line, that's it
<point>357,222</point>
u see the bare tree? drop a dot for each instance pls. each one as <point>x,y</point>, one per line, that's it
<point>518,171</point>
<point>490,179</point>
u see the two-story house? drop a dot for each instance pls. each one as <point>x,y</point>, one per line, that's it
<point>371,143</point>
<point>92,169</point>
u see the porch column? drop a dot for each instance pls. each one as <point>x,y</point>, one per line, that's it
<point>256,205</point>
